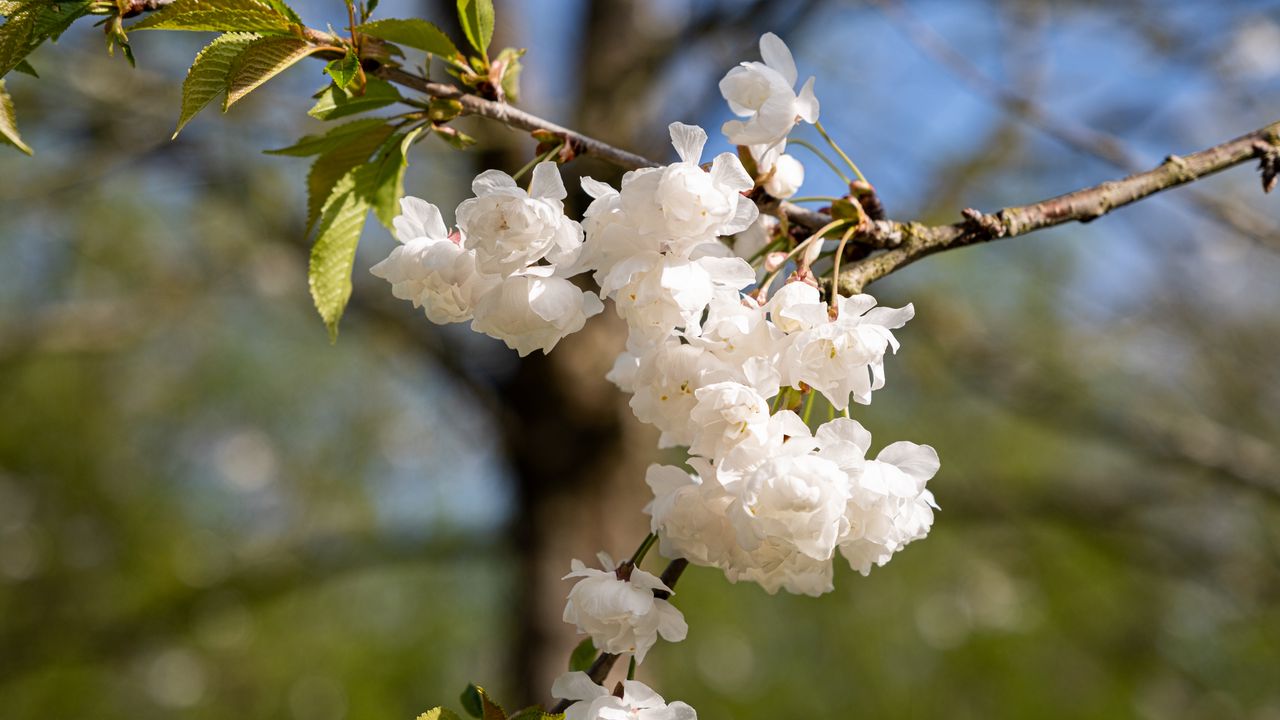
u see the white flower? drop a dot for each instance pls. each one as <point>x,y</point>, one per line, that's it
<point>684,202</point>
<point>785,173</point>
<point>534,310</point>
<point>846,355</point>
<point>796,502</point>
<point>726,414</point>
<point>621,615</point>
<point>429,268</point>
<point>888,503</point>
<point>666,379</point>
<point>659,292</point>
<point>689,514</point>
<point>510,229</point>
<point>764,94</point>
<point>797,306</point>
<point>593,702</point>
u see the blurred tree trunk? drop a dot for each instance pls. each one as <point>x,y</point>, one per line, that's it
<point>576,453</point>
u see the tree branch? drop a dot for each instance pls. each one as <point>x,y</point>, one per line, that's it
<point>908,242</point>
<point>920,241</point>
<point>521,120</point>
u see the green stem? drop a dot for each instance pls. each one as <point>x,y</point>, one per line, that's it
<point>643,550</point>
<point>823,156</point>
<point>808,406</point>
<point>631,669</point>
<point>814,198</point>
<point>823,132</point>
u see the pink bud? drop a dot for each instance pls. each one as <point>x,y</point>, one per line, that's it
<point>774,260</point>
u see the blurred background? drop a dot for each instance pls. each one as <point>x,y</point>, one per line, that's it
<point>208,511</point>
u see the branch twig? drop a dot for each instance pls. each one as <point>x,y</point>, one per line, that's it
<point>1079,206</point>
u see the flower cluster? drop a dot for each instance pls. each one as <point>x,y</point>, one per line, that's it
<point>711,360</point>
<point>504,268</point>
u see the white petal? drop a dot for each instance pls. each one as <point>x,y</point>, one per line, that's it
<point>919,461</point>
<point>727,170</point>
<point>596,189</point>
<point>547,182</point>
<point>576,686</point>
<point>688,141</point>
<point>489,181</point>
<point>807,102</point>
<point>777,55</point>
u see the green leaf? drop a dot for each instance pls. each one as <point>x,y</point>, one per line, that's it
<point>285,10</point>
<point>477,23</point>
<point>262,60</point>
<point>334,253</point>
<point>30,24</point>
<point>9,122</point>
<point>25,68</point>
<point>582,656</point>
<point>509,59</point>
<point>417,34</point>
<point>333,164</point>
<point>438,713</point>
<point>478,705</point>
<point>217,16</point>
<point>472,702</point>
<point>388,185</point>
<point>336,102</point>
<point>343,70</point>
<point>316,144</point>
<point>210,73</point>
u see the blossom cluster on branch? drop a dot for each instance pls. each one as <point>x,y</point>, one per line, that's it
<point>714,360</point>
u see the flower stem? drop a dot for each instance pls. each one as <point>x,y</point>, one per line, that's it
<point>764,287</point>
<point>823,156</point>
<point>814,198</point>
<point>643,550</point>
<point>835,262</point>
<point>631,669</point>
<point>809,402</point>
<point>823,132</point>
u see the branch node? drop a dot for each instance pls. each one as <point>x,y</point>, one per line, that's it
<point>989,225</point>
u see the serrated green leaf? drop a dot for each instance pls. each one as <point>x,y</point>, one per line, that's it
<point>30,24</point>
<point>414,33</point>
<point>262,60</point>
<point>438,713</point>
<point>335,102</point>
<point>285,10</point>
<point>477,703</point>
<point>471,701</point>
<point>210,73</point>
<point>217,16</point>
<point>343,70</point>
<point>333,164</point>
<point>316,144</point>
<point>388,185</point>
<point>334,253</point>
<point>582,656</point>
<point>9,122</point>
<point>477,23</point>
